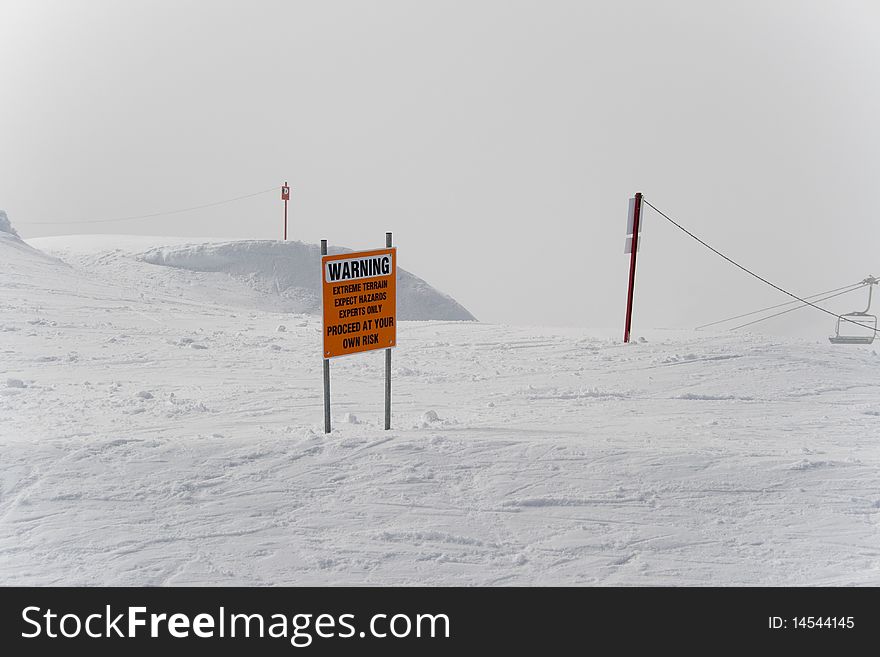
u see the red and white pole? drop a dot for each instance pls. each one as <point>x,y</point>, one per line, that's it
<point>637,210</point>
<point>285,196</point>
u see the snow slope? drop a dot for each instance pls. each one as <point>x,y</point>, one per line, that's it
<point>6,228</point>
<point>18,256</point>
<point>154,432</point>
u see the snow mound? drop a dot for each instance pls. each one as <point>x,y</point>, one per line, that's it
<point>291,270</point>
<point>6,225</point>
<point>15,254</point>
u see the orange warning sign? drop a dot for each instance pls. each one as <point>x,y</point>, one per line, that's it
<point>360,301</point>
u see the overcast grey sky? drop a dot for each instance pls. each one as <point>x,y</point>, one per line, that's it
<point>498,140</point>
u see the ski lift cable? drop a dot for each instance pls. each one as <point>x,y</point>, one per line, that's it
<point>746,269</point>
<point>762,319</point>
<point>147,216</point>
<point>848,288</point>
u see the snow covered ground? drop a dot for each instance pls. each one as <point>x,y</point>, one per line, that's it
<point>162,425</point>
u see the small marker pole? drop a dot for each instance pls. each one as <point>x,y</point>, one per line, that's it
<point>285,195</point>
<point>632,266</point>
<point>388,363</point>
<point>326,362</point>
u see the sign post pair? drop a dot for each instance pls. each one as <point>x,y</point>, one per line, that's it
<point>359,298</point>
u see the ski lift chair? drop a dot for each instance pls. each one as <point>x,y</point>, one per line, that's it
<point>860,318</point>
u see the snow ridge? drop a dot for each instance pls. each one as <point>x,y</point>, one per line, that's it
<point>265,275</point>
<point>6,225</point>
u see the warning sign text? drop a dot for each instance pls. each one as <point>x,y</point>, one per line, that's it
<point>360,302</point>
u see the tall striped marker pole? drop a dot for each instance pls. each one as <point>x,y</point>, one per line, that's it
<point>634,249</point>
<point>285,196</point>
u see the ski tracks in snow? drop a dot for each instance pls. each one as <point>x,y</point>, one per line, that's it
<point>154,441</point>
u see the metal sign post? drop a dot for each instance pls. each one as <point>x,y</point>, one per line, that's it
<point>388,361</point>
<point>285,196</point>
<point>326,365</point>
<point>632,247</point>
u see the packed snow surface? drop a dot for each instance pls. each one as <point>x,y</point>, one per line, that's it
<point>161,424</point>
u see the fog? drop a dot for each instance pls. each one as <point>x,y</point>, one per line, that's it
<point>499,141</point>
